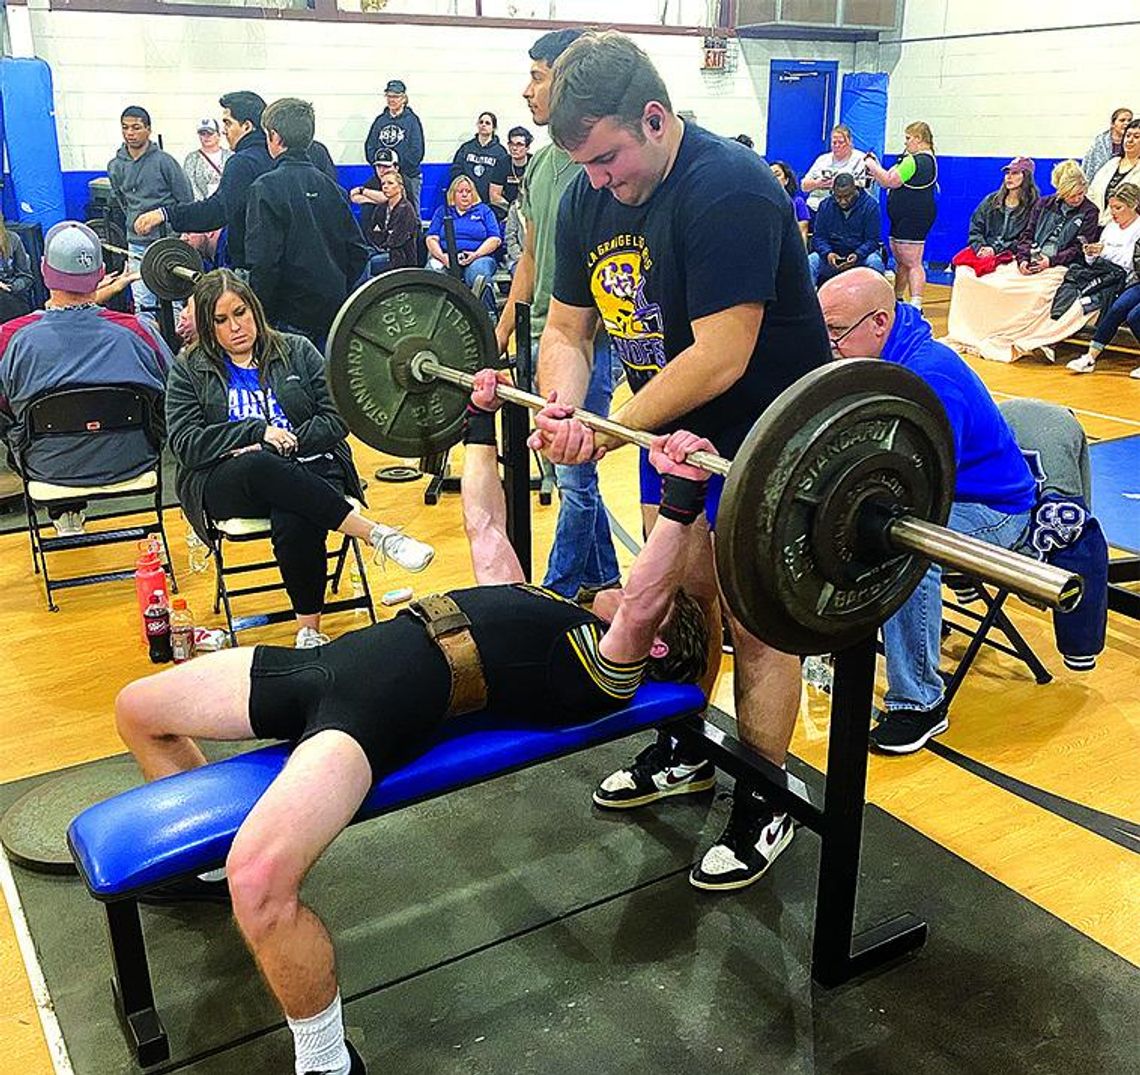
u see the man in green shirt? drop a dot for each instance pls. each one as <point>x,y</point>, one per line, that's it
<point>582,559</point>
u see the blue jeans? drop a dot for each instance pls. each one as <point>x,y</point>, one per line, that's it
<point>484,267</point>
<point>821,271</point>
<point>912,637</point>
<point>1125,308</point>
<point>583,551</point>
<point>145,299</point>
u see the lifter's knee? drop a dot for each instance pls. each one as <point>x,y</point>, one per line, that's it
<point>136,711</point>
<point>264,888</point>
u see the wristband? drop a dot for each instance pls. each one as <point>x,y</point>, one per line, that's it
<point>479,426</point>
<point>682,499</point>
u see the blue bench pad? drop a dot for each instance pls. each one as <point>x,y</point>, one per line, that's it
<point>184,824</point>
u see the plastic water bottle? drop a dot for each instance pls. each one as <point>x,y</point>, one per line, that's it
<point>181,631</point>
<point>818,673</point>
<point>157,618</point>
<point>197,552</point>
<point>149,579</point>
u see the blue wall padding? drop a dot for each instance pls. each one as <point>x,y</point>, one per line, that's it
<point>31,140</point>
<point>863,107</point>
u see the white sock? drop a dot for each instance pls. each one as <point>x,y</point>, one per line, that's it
<point>916,301</point>
<point>213,875</point>
<point>319,1041</point>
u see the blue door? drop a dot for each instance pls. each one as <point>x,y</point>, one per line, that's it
<point>801,104</point>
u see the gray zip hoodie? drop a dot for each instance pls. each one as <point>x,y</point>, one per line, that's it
<point>154,181</point>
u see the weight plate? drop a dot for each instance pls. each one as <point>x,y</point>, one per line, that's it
<point>795,556</point>
<point>384,324</point>
<point>110,232</point>
<point>162,257</point>
<point>399,474</point>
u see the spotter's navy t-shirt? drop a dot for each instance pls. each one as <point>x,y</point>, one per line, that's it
<point>718,232</point>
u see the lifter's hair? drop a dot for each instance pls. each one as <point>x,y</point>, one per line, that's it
<point>293,120</point>
<point>269,347</point>
<point>686,633</point>
<point>602,76</point>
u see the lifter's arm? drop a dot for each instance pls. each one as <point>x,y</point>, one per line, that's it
<point>484,506</point>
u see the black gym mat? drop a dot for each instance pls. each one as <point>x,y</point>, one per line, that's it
<point>512,928</point>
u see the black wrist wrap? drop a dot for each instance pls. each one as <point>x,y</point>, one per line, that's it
<point>479,426</point>
<point>682,499</point>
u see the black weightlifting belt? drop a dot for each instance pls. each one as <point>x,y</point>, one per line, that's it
<point>449,628</point>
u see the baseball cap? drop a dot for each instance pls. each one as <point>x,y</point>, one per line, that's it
<point>387,156</point>
<point>395,85</point>
<point>1021,164</point>
<point>207,124</point>
<point>73,258</point>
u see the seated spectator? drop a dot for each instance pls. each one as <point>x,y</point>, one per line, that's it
<point>518,146</point>
<point>1118,246</point>
<point>1107,144</point>
<point>847,232</point>
<point>999,219</point>
<point>786,177</point>
<point>16,280</point>
<point>994,490</point>
<point>74,342</point>
<point>477,237</point>
<point>484,161</point>
<point>255,434</point>
<point>844,157</point>
<point>1117,170</point>
<point>1008,313</point>
<point>391,227</point>
<point>203,168</point>
<point>384,163</point>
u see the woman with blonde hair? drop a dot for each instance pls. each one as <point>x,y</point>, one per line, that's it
<point>911,182</point>
<point>1008,313</point>
<point>477,237</point>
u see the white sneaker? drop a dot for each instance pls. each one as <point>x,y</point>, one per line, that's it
<point>310,638</point>
<point>889,276</point>
<point>1135,374</point>
<point>71,524</point>
<point>1085,364</point>
<point>391,544</point>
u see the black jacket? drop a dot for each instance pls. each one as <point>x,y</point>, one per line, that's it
<point>991,226</point>
<point>318,153</point>
<point>201,435</point>
<point>226,207</point>
<point>303,244</point>
<point>394,231</point>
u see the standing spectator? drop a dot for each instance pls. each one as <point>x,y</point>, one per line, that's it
<point>745,140</point>
<point>844,157</point>
<point>1107,144</point>
<point>999,219</point>
<point>477,237</point>
<point>203,168</point>
<point>846,232</point>
<point>786,177</point>
<point>304,246</point>
<point>225,208</point>
<point>518,147</point>
<point>911,208</point>
<point>319,155</point>
<point>16,280</point>
<point>1117,170</point>
<point>484,160</point>
<point>143,176</point>
<point>399,128</point>
<point>391,227</point>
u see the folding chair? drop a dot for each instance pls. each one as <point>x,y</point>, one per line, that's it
<point>87,413</point>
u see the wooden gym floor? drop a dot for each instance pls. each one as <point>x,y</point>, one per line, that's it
<point>1077,739</point>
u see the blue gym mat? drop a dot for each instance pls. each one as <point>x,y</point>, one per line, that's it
<point>1116,490</point>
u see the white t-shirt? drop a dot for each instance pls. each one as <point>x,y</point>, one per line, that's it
<point>1119,245</point>
<point>827,167</point>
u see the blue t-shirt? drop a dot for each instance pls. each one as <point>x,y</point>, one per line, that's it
<point>249,399</point>
<point>719,231</point>
<point>991,468</point>
<point>472,228</point>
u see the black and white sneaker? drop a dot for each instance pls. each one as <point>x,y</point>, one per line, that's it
<point>656,773</point>
<point>752,840</point>
<point>903,731</point>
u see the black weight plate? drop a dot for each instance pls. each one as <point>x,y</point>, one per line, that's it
<point>110,232</point>
<point>384,324</point>
<point>399,474</point>
<point>794,568</point>
<point>158,265</point>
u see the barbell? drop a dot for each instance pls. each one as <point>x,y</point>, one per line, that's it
<point>832,509</point>
<point>169,267</point>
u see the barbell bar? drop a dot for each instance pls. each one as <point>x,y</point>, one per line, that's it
<point>1032,579</point>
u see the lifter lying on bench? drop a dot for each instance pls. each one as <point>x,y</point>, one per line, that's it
<point>374,698</point>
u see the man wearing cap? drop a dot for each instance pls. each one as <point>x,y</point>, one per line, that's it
<point>142,175</point>
<point>398,128</point>
<point>203,166</point>
<point>999,219</point>
<point>847,232</point>
<point>384,163</point>
<point>70,343</point>
<point>225,208</point>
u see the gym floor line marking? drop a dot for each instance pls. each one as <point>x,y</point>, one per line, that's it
<point>45,1007</point>
<point>1078,410</point>
<point>1116,830</point>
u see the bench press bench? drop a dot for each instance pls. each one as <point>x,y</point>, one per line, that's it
<point>184,824</point>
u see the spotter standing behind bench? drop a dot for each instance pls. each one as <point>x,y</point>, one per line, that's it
<point>502,643</point>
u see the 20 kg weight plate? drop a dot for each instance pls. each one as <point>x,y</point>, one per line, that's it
<point>379,330</point>
<point>796,548</point>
